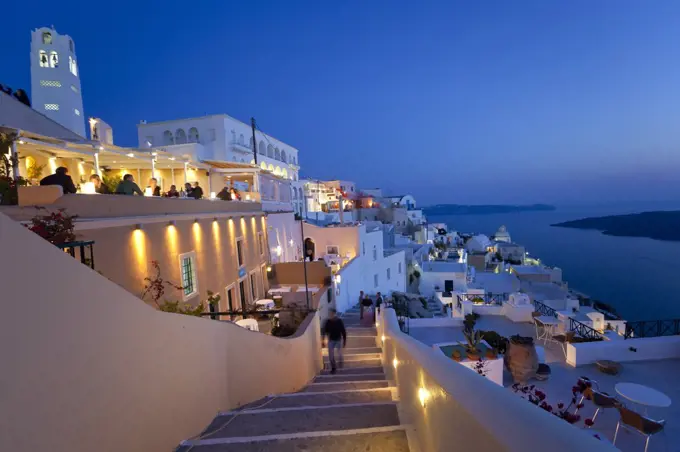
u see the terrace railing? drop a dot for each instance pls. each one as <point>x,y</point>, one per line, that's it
<point>487,298</point>
<point>86,251</point>
<point>544,309</point>
<point>652,328</point>
<point>583,330</point>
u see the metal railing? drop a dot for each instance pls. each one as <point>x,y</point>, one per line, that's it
<point>583,330</point>
<point>82,246</point>
<point>487,298</point>
<point>652,328</point>
<point>544,309</point>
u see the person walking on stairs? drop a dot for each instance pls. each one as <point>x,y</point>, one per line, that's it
<point>334,328</point>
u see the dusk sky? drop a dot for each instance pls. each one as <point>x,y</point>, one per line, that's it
<point>453,101</point>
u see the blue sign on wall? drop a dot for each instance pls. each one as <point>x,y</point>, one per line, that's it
<point>241,272</point>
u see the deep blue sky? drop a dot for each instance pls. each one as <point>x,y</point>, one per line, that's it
<point>453,101</point>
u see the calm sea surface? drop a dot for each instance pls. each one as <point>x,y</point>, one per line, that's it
<point>640,277</point>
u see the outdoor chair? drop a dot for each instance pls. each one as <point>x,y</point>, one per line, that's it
<point>601,400</point>
<point>634,421</point>
<point>593,384</point>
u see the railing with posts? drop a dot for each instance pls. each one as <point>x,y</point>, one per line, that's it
<point>487,298</point>
<point>544,309</point>
<point>71,247</point>
<point>583,330</point>
<point>652,328</point>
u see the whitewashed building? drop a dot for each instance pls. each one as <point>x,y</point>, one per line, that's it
<point>220,138</point>
<point>55,79</point>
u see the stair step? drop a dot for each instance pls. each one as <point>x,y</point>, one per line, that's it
<point>357,351</point>
<point>356,370</point>
<point>317,399</point>
<point>358,364</point>
<point>356,356</point>
<point>382,441</point>
<point>311,420</point>
<point>345,385</point>
<point>340,377</point>
<point>354,342</point>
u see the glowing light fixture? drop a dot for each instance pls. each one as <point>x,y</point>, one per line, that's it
<point>148,191</point>
<point>139,227</point>
<point>101,148</point>
<point>130,154</point>
<point>172,223</point>
<point>172,158</point>
<point>88,188</point>
<point>154,154</point>
<point>278,250</point>
<point>269,268</point>
<point>22,142</point>
<point>338,279</point>
<point>383,338</point>
<point>292,242</point>
<point>247,197</point>
<point>213,195</point>
<point>423,396</point>
<point>395,363</point>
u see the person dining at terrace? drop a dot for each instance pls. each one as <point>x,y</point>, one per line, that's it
<point>60,177</point>
<point>99,186</point>
<point>128,186</point>
<point>153,185</point>
<point>172,193</point>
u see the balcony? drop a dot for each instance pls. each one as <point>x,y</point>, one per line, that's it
<point>241,148</point>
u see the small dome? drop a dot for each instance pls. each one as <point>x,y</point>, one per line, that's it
<point>502,234</point>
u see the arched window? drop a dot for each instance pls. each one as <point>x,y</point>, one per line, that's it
<point>54,59</point>
<point>277,170</point>
<point>243,161</point>
<point>250,143</point>
<point>270,151</point>
<point>72,66</point>
<point>263,165</point>
<point>42,55</point>
<point>70,45</point>
<point>294,193</point>
<point>193,135</point>
<point>241,140</point>
<point>180,136</point>
<point>270,168</point>
<point>261,148</point>
<point>293,160</point>
<point>47,37</point>
<point>283,156</point>
<point>277,154</point>
<point>300,192</point>
<point>168,138</point>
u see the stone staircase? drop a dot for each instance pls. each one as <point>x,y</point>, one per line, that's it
<point>435,307</point>
<point>354,410</point>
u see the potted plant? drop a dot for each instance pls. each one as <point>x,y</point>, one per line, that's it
<point>490,354</point>
<point>473,338</point>
<point>456,355</point>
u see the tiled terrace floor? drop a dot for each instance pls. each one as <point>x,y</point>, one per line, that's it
<point>662,375</point>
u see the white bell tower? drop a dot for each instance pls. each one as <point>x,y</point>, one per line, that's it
<point>55,79</point>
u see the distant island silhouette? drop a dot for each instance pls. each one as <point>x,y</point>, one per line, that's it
<point>659,225</point>
<point>482,209</point>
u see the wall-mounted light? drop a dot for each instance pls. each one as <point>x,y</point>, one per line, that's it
<point>139,227</point>
<point>292,242</point>
<point>154,154</point>
<point>383,338</point>
<point>101,148</point>
<point>243,217</point>
<point>172,158</point>
<point>215,219</point>
<point>278,250</point>
<point>172,223</point>
<point>130,154</point>
<point>395,363</point>
<point>213,195</point>
<point>196,220</point>
<point>22,142</point>
<point>423,396</point>
<point>338,279</point>
<point>269,268</point>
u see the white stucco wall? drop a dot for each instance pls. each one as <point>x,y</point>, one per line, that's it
<point>284,237</point>
<point>619,350</point>
<point>428,281</point>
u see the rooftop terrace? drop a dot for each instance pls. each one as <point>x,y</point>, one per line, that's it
<point>658,374</point>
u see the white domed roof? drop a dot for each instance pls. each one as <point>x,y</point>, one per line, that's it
<point>502,234</point>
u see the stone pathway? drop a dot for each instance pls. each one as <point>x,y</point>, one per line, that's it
<point>353,410</point>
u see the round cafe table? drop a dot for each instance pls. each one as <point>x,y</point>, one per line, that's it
<point>643,395</point>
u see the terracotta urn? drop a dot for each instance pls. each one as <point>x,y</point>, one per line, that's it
<point>521,359</point>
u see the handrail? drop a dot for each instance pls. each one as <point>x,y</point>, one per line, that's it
<point>652,328</point>
<point>545,309</point>
<point>583,330</point>
<point>70,248</point>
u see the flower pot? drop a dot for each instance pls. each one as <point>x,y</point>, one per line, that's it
<point>521,359</point>
<point>456,356</point>
<point>473,355</point>
<point>491,354</point>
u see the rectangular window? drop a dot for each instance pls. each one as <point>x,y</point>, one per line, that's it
<point>187,264</point>
<point>333,249</point>
<point>400,268</point>
<point>52,107</point>
<point>231,297</point>
<point>389,273</point>
<point>375,253</point>
<point>76,111</point>
<point>240,258</point>
<point>260,243</point>
<point>51,83</point>
<point>211,134</point>
<point>242,293</point>
<point>375,280</point>
<point>253,286</point>
<point>74,89</point>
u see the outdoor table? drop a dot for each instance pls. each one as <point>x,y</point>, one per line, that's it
<point>643,395</point>
<point>265,304</point>
<point>549,324</point>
